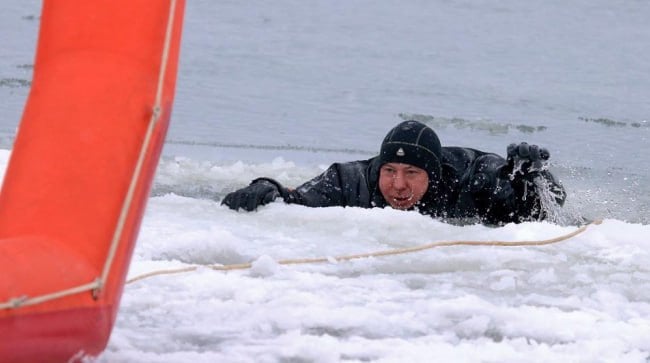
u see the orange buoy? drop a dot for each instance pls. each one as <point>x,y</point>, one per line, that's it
<point>81,170</point>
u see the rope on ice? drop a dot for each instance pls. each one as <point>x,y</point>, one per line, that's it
<point>398,251</point>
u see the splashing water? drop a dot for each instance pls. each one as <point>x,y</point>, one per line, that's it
<point>548,196</point>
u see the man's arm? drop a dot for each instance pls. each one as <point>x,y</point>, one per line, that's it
<point>339,185</point>
<point>515,189</point>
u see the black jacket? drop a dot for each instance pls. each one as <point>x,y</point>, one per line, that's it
<point>474,187</point>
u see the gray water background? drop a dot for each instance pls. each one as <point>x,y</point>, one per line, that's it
<point>322,81</point>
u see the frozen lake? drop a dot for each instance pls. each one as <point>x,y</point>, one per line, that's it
<point>283,89</point>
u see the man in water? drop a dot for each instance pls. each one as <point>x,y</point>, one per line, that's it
<point>413,172</point>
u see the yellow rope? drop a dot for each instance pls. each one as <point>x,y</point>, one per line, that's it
<point>299,261</point>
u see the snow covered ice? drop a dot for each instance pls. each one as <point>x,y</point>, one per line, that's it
<point>583,300</point>
<point>586,299</point>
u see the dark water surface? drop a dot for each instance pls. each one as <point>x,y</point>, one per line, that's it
<point>321,81</point>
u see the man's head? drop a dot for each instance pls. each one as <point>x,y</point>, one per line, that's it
<point>409,162</point>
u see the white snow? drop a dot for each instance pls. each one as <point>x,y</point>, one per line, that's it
<point>586,299</point>
<point>284,88</point>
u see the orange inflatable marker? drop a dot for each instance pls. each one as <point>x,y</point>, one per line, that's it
<point>81,170</point>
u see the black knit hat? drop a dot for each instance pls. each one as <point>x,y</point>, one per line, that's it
<point>413,143</point>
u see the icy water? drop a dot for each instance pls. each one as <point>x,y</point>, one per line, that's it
<point>285,88</point>
<point>317,82</point>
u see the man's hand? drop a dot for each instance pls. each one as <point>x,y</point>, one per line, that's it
<point>527,159</point>
<point>259,192</point>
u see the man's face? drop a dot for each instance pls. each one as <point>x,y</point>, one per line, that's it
<point>402,185</point>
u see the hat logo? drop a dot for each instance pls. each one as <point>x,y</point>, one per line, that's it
<point>400,152</point>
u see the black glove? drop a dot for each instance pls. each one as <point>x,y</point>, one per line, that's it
<point>527,159</point>
<point>259,192</point>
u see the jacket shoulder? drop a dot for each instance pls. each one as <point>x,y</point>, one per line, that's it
<point>459,159</point>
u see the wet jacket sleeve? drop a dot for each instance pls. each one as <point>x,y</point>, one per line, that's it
<point>342,184</point>
<point>490,190</point>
